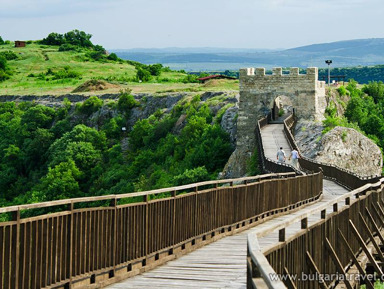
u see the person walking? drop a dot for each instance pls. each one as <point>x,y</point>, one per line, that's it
<point>295,158</point>
<point>280,156</point>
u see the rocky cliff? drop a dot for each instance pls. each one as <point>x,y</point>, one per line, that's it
<point>343,147</point>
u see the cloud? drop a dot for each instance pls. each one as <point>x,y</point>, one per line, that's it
<point>43,8</point>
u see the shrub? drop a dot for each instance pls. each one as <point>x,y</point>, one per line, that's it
<point>9,55</point>
<point>1,41</point>
<point>126,101</point>
<point>189,176</point>
<point>64,73</point>
<point>143,75</point>
<point>342,90</point>
<point>67,47</point>
<point>96,55</point>
<point>53,39</point>
<point>113,57</point>
<point>190,78</point>
<point>90,105</point>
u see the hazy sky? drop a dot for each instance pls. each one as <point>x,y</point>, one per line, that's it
<point>195,23</point>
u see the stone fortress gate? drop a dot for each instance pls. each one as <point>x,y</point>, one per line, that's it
<point>258,92</point>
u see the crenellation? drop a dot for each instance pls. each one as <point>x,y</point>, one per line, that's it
<point>278,71</point>
<point>294,71</point>
<point>260,71</point>
<point>312,70</point>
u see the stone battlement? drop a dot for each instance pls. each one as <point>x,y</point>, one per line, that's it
<point>278,71</point>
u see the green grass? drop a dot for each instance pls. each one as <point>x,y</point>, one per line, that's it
<point>37,59</point>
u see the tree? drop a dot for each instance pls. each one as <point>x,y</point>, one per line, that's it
<point>59,183</point>
<point>90,105</point>
<point>155,69</point>
<point>39,116</point>
<point>126,101</point>
<point>113,57</point>
<point>143,75</point>
<point>78,38</point>
<point>3,63</point>
<point>375,89</point>
<point>1,41</point>
<point>53,39</point>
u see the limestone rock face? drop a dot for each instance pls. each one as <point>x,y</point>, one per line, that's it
<point>229,123</point>
<point>343,147</point>
<point>351,150</point>
<point>236,165</point>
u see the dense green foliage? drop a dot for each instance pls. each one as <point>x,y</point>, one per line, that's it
<point>362,74</point>
<point>49,153</point>
<point>364,111</point>
<point>74,37</point>
<point>1,41</point>
<point>5,72</point>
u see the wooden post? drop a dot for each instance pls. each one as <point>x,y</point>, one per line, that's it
<point>114,235</point>
<point>146,227</point>
<point>348,201</point>
<point>335,207</point>
<point>282,235</point>
<point>174,218</point>
<point>70,255</point>
<point>16,217</point>
<point>304,223</point>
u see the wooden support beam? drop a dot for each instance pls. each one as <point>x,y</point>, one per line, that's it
<point>365,225</point>
<point>375,227</point>
<point>365,249</point>
<point>380,209</point>
<point>354,259</point>
<point>337,262</point>
<point>314,268</point>
<point>289,281</point>
<point>379,217</point>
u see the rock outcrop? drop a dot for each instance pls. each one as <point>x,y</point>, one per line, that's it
<point>342,147</point>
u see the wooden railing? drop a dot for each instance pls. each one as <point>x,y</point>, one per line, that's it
<point>344,177</point>
<point>90,246</point>
<point>318,255</point>
<point>317,248</point>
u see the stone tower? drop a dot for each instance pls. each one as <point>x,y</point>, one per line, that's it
<point>258,92</point>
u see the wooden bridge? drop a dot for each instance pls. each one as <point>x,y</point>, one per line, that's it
<point>232,233</point>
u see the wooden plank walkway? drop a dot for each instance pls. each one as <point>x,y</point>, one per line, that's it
<point>273,138</point>
<point>222,264</point>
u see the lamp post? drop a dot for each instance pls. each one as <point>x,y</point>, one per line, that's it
<point>329,70</point>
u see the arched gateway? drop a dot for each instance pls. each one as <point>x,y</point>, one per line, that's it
<point>258,91</point>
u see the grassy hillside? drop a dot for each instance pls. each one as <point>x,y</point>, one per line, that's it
<point>34,69</point>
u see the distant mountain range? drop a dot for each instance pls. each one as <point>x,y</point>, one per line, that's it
<point>359,52</point>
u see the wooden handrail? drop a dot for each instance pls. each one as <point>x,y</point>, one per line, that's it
<point>140,194</point>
